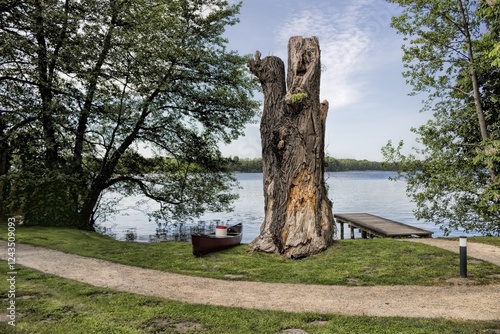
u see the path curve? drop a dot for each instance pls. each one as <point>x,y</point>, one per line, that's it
<point>476,250</point>
<point>452,302</point>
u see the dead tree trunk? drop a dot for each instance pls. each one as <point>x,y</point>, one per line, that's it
<point>298,214</point>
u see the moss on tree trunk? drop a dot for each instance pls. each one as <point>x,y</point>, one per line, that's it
<point>298,214</point>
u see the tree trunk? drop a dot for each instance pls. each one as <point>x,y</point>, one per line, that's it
<point>4,166</point>
<point>483,126</point>
<point>298,214</point>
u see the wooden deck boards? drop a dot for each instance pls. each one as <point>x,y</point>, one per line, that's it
<point>371,225</point>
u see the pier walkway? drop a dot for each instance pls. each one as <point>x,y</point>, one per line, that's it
<point>371,225</point>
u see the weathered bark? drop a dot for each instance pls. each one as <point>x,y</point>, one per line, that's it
<point>298,214</point>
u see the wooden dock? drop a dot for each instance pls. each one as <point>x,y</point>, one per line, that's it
<point>371,225</point>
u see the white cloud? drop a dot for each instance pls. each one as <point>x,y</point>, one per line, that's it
<point>362,80</point>
<point>347,34</point>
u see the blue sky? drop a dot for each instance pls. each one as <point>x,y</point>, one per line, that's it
<point>361,55</point>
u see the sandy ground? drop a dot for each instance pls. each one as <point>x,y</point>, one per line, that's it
<point>456,301</point>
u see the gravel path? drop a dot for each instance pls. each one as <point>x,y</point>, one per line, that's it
<point>453,302</point>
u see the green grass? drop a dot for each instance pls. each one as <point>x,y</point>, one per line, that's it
<point>495,241</point>
<point>348,262</point>
<point>50,305</point>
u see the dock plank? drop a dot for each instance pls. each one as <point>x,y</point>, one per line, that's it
<point>379,226</point>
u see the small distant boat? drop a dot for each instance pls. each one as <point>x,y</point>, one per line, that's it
<point>209,243</point>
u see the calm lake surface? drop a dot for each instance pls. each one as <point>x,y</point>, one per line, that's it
<point>351,192</point>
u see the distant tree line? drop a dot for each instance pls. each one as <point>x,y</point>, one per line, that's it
<point>254,165</point>
<point>345,165</point>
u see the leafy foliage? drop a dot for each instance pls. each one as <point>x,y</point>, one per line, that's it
<point>298,97</point>
<point>490,13</point>
<point>88,88</point>
<point>452,175</point>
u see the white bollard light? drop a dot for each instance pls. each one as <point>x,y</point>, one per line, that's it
<point>463,256</point>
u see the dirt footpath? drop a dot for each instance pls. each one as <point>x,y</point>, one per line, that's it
<point>452,302</point>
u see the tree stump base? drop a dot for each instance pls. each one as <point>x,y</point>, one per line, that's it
<point>298,214</point>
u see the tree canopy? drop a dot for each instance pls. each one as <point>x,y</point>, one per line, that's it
<point>448,48</point>
<point>87,88</point>
<point>491,15</point>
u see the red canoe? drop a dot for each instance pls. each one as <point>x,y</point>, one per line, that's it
<point>204,244</point>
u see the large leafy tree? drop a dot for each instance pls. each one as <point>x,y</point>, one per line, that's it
<point>86,87</point>
<point>491,15</point>
<point>453,175</point>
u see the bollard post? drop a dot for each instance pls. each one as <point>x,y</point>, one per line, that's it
<point>463,257</point>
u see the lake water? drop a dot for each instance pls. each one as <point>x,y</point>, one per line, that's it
<point>351,192</point>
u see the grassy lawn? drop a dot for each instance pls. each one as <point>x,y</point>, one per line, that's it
<point>349,262</point>
<point>495,241</point>
<point>48,304</point>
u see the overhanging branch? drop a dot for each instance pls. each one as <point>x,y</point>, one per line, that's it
<point>142,185</point>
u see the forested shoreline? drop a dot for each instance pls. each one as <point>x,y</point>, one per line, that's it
<point>254,165</point>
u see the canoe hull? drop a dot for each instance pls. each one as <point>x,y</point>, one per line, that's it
<point>205,244</point>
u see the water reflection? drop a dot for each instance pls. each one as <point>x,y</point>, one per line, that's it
<point>165,232</point>
<point>351,192</point>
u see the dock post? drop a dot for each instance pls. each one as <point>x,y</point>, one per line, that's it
<point>341,230</point>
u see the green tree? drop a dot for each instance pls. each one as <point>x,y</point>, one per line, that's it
<point>87,86</point>
<point>452,176</point>
<point>490,13</point>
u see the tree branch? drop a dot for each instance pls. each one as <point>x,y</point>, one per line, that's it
<point>142,186</point>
